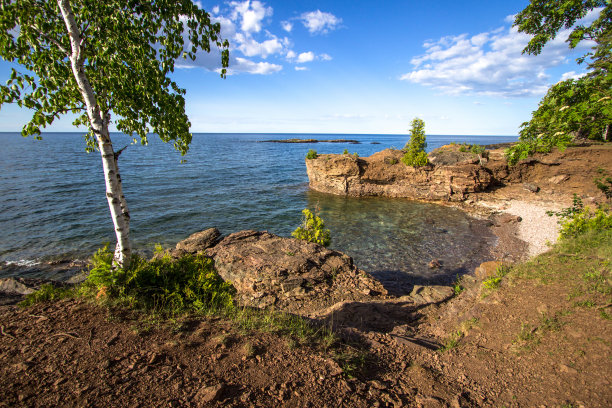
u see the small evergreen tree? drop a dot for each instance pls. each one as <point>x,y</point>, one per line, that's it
<point>415,155</point>
<point>312,229</point>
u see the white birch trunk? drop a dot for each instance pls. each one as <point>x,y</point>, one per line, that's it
<point>99,122</point>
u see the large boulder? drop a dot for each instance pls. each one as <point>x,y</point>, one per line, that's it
<point>199,241</point>
<point>290,274</point>
<point>195,243</point>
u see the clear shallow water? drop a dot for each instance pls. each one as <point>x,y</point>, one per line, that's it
<point>53,202</point>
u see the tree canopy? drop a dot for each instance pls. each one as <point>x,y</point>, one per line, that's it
<point>128,50</point>
<point>545,18</point>
<point>574,108</point>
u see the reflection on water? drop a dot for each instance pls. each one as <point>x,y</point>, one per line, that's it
<point>392,238</point>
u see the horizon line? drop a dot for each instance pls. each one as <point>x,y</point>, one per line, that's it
<point>285,133</point>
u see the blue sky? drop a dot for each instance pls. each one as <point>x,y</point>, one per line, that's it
<point>365,67</point>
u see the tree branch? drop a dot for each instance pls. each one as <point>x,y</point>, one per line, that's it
<point>118,152</point>
<point>52,40</point>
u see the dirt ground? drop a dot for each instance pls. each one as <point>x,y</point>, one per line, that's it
<point>521,345</point>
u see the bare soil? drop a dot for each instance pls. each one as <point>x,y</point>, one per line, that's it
<point>529,343</point>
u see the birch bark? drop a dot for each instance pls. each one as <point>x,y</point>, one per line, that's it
<point>99,122</point>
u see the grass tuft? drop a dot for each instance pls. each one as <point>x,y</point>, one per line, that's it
<point>47,292</point>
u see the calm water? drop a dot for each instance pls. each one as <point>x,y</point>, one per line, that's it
<point>53,202</point>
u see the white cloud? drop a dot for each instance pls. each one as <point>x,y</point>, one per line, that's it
<point>301,68</point>
<point>319,22</point>
<point>287,26</point>
<point>490,63</point>
<point>251,14</point>
<point>305,57</point>
<point>248,66</point>
<point>250,48</point>
<point>571,75</point>
<point>243,23</point>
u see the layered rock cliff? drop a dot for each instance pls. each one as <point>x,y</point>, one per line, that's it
<point>383,174</point>
<point>454,175</point>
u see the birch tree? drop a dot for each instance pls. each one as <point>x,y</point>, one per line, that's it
<point>105,61</point>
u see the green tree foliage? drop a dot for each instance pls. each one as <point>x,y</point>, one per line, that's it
<point>544,18</point>
<point>312,229</point>
<point>573,108</point>
<point>105,60</point>
<point>415,148</point>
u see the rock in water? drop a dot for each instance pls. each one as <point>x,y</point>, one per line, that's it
<point>290,274</point>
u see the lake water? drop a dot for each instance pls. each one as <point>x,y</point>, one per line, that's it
<point>54,207</point>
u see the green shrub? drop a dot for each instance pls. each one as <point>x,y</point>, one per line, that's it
<point>494,281</point>
<point>162,285</point>
<point>477,149</point>
<point>415,148</point>
<point>463,148</point>
<point>586,220</point>
<point>312,229</point>
<point>604,183</point>
<point>312,154</point>
<point>415,159</point>
<point>578,219</point>
<point>345,151</point>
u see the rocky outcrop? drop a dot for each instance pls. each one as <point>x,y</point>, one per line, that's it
<point>290,274</point>
<point>383,174</point>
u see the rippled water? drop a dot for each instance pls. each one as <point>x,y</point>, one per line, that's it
<point>53,202</point>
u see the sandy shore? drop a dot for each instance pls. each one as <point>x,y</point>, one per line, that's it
<point>536,228</point>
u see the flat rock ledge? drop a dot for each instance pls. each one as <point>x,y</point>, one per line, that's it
<point>383,174</point>
<point>290,274</point>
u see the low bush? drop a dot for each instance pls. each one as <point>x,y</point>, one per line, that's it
<point>477,149</point>
<point>312,154</point>
<point>415,159</point>
<point>578,219</point>
<point>604,183</point>
<point>312,229</point>
<point>586,220</point>
<point>494,281</point>
<point>161,285</point>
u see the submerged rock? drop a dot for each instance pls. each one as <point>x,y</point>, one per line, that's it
<point>289,274</point>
